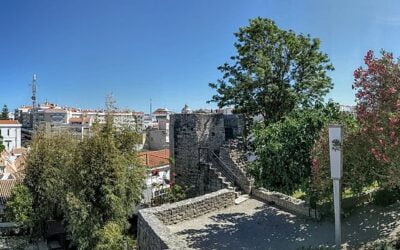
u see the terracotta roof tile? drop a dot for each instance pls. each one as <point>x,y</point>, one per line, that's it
<point>154,159</point>
<point>9,122</point>
<point>19,151</point>
<point>5,189</point>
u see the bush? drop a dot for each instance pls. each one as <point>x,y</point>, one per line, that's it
<point>175,193</point>
<point>358,164</point>
<point>283,148</point>
<point>19,207</point>
<point>111,237</point>
<point>386,197</point>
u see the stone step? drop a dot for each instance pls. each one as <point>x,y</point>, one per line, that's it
<point>241,199</point>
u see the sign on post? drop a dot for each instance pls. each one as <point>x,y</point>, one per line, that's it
<point>336,160</point>
<point>335,151</point>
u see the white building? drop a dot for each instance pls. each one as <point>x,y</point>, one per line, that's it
<point>157,175</point>
<point>348,109</point>
<point>10,130</point>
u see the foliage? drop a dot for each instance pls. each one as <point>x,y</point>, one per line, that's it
<point>371,149</point>
<point>19,206</point>
<point>105,187</point>
<point>283,149</point>
<point>386,197</point>
<point>358,164</point>
<point>112,238</point>
<point>1,144</point>
<point>4,113</point>
<point>175,193</point>
<point>378,112</point>
<point>91,184</point>
<point>49,163</point>
<point>273,72</point>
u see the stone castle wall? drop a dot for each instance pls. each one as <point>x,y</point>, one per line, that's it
<point>188,133</point>
<point>153,232</point>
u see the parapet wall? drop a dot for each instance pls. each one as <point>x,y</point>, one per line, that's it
<point>153,232</point>
<point>286,202</point>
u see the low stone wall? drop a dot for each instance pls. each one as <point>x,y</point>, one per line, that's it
<point>286,202</point>
<point>153,232</point>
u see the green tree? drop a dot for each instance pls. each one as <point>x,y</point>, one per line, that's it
<point>284,148</point>
<point>49,167</point>
<point>1,144</point>
<point>107,184</point>
<point>4,113</point>
<point>112,238</point>
<point>91,184</point>
<point>19,208</point>
<point>273,72</point>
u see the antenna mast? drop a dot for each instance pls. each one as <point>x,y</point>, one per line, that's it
<point>34,108</point>
<point>150,107</point>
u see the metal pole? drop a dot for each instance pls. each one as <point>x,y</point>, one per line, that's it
<point>336,197</point>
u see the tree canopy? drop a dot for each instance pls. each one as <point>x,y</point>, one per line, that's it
<point>273,72</point>
<point>4,113</point>
<point>378,112</point>
<point>92,185</point>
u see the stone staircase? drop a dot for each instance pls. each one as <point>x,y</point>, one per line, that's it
<point>233,154</point>
<point>236,153</point>
<point>225,181</point>
<point>227,170</point>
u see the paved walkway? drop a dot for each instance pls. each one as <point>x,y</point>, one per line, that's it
<point>255,225</point>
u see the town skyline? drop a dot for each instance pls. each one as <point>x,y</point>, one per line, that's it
<point>172,56</point>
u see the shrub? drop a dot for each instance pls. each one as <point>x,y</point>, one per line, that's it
<point>283,148</point>
<point>19,207</point>
<point>357,163</point>
<point>378,111</point>
<point>386,197</point>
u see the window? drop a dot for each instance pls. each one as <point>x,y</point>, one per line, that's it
<point>8,132</point>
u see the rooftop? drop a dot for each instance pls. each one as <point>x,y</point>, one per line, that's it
<point>9,122</point>
<point>156,158</point>
<point>5,189</point>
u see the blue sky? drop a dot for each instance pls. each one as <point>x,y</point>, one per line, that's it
<point>167,50</point>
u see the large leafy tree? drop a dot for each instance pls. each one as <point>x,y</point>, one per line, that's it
<point>49,162</point>
<point>106,185</point>
<point>378,111</point>
<point>283,148</point>
<point>273,72</point>
<point>4,113</point>
<point>91,185</point>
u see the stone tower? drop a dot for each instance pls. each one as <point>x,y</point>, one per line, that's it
<point>190,134</point>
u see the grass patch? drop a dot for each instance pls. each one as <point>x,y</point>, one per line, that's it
<point>299,194</point>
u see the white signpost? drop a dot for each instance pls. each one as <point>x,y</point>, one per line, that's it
<point>336,159</point>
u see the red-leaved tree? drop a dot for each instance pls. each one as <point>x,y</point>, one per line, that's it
<point>378,112</point>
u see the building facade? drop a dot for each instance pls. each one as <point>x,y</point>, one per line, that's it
<point>10,130</point>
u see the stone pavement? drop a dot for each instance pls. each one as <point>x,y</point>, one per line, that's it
<point>256,225</point>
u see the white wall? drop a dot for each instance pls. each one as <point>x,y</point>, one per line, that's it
<point>11,136</point>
